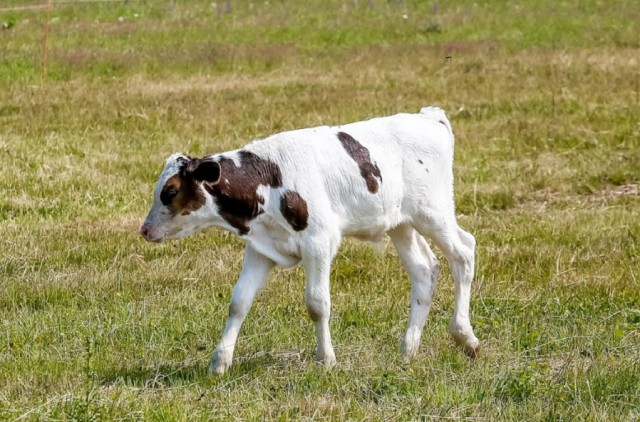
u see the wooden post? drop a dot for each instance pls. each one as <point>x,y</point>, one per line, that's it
<point>44,41</point>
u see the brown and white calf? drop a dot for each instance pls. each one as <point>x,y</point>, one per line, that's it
<point>294,195</point>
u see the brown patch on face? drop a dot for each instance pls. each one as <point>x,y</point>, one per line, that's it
<point>368,170</point>
<point>236,194</point>
<point>181,195</point>
<point>294,209</point>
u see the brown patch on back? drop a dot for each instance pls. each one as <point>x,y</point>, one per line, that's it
<point>181,195</point>
<point>294,209</point>
<point>368,170</point>
<point>236,194</point>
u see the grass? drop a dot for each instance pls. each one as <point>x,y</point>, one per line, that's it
<point>97,324</point>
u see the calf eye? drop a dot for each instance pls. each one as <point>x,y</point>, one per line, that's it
<point>167,195</point>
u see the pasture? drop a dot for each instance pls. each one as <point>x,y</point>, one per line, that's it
<point>95,323</point>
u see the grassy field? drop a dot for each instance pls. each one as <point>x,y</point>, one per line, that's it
<point>95,323</point>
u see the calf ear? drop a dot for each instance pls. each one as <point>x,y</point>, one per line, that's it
<point>204,170</point>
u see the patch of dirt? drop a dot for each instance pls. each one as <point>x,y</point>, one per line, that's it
<point>465,46</point>
<point>612,192</point>
<point>539,200</point>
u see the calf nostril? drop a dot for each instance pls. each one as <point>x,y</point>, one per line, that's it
<point>144,231</point>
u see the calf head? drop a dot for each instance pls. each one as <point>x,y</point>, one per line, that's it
<point>180,202</point>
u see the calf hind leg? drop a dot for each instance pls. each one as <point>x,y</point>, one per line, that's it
<point>423,269</point>
<point>458,246</point>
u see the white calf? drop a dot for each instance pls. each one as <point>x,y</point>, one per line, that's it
<point>294,195</point>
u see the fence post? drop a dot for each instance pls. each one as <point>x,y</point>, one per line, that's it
<point>44,41</point>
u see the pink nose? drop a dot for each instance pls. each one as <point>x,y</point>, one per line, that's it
<point>144,231</point>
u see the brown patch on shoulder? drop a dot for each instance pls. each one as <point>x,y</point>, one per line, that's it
<point>294,209</point>
<point>181,195</point>
<point>236,194</point>
<point>360,154</point>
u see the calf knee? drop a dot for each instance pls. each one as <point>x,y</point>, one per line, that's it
<point>468,239</point>
<point>314,313</point>
<point>435,267</point>
<point>238,309</point>
<point>317,307</point>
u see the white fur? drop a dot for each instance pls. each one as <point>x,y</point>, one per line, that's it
<point>414,153</point>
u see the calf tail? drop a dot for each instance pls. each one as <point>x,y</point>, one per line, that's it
<point>438,114</point>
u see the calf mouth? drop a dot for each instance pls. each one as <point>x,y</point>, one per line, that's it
<point>157,239</point>
<point>146,235</point>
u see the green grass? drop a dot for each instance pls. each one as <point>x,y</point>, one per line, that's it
<point>97,324</point>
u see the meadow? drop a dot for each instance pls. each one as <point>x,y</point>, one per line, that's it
<point>96,324</point>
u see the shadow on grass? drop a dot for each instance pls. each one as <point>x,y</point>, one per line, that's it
<point>165,376</point>
<point>158,377</point>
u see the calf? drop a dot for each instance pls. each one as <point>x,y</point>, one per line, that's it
<point>294,195</point>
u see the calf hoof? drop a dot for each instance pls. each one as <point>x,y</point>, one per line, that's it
<point>407,352</point>
<point>471,346</point>
<point>464,337</point>
<point>410,344</point>
<point>472,351</point>
<point>328,361</point>
<point>220,362</point>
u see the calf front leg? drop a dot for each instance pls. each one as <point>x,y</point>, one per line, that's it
<point>253,276</point>
<point>317,265</point>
